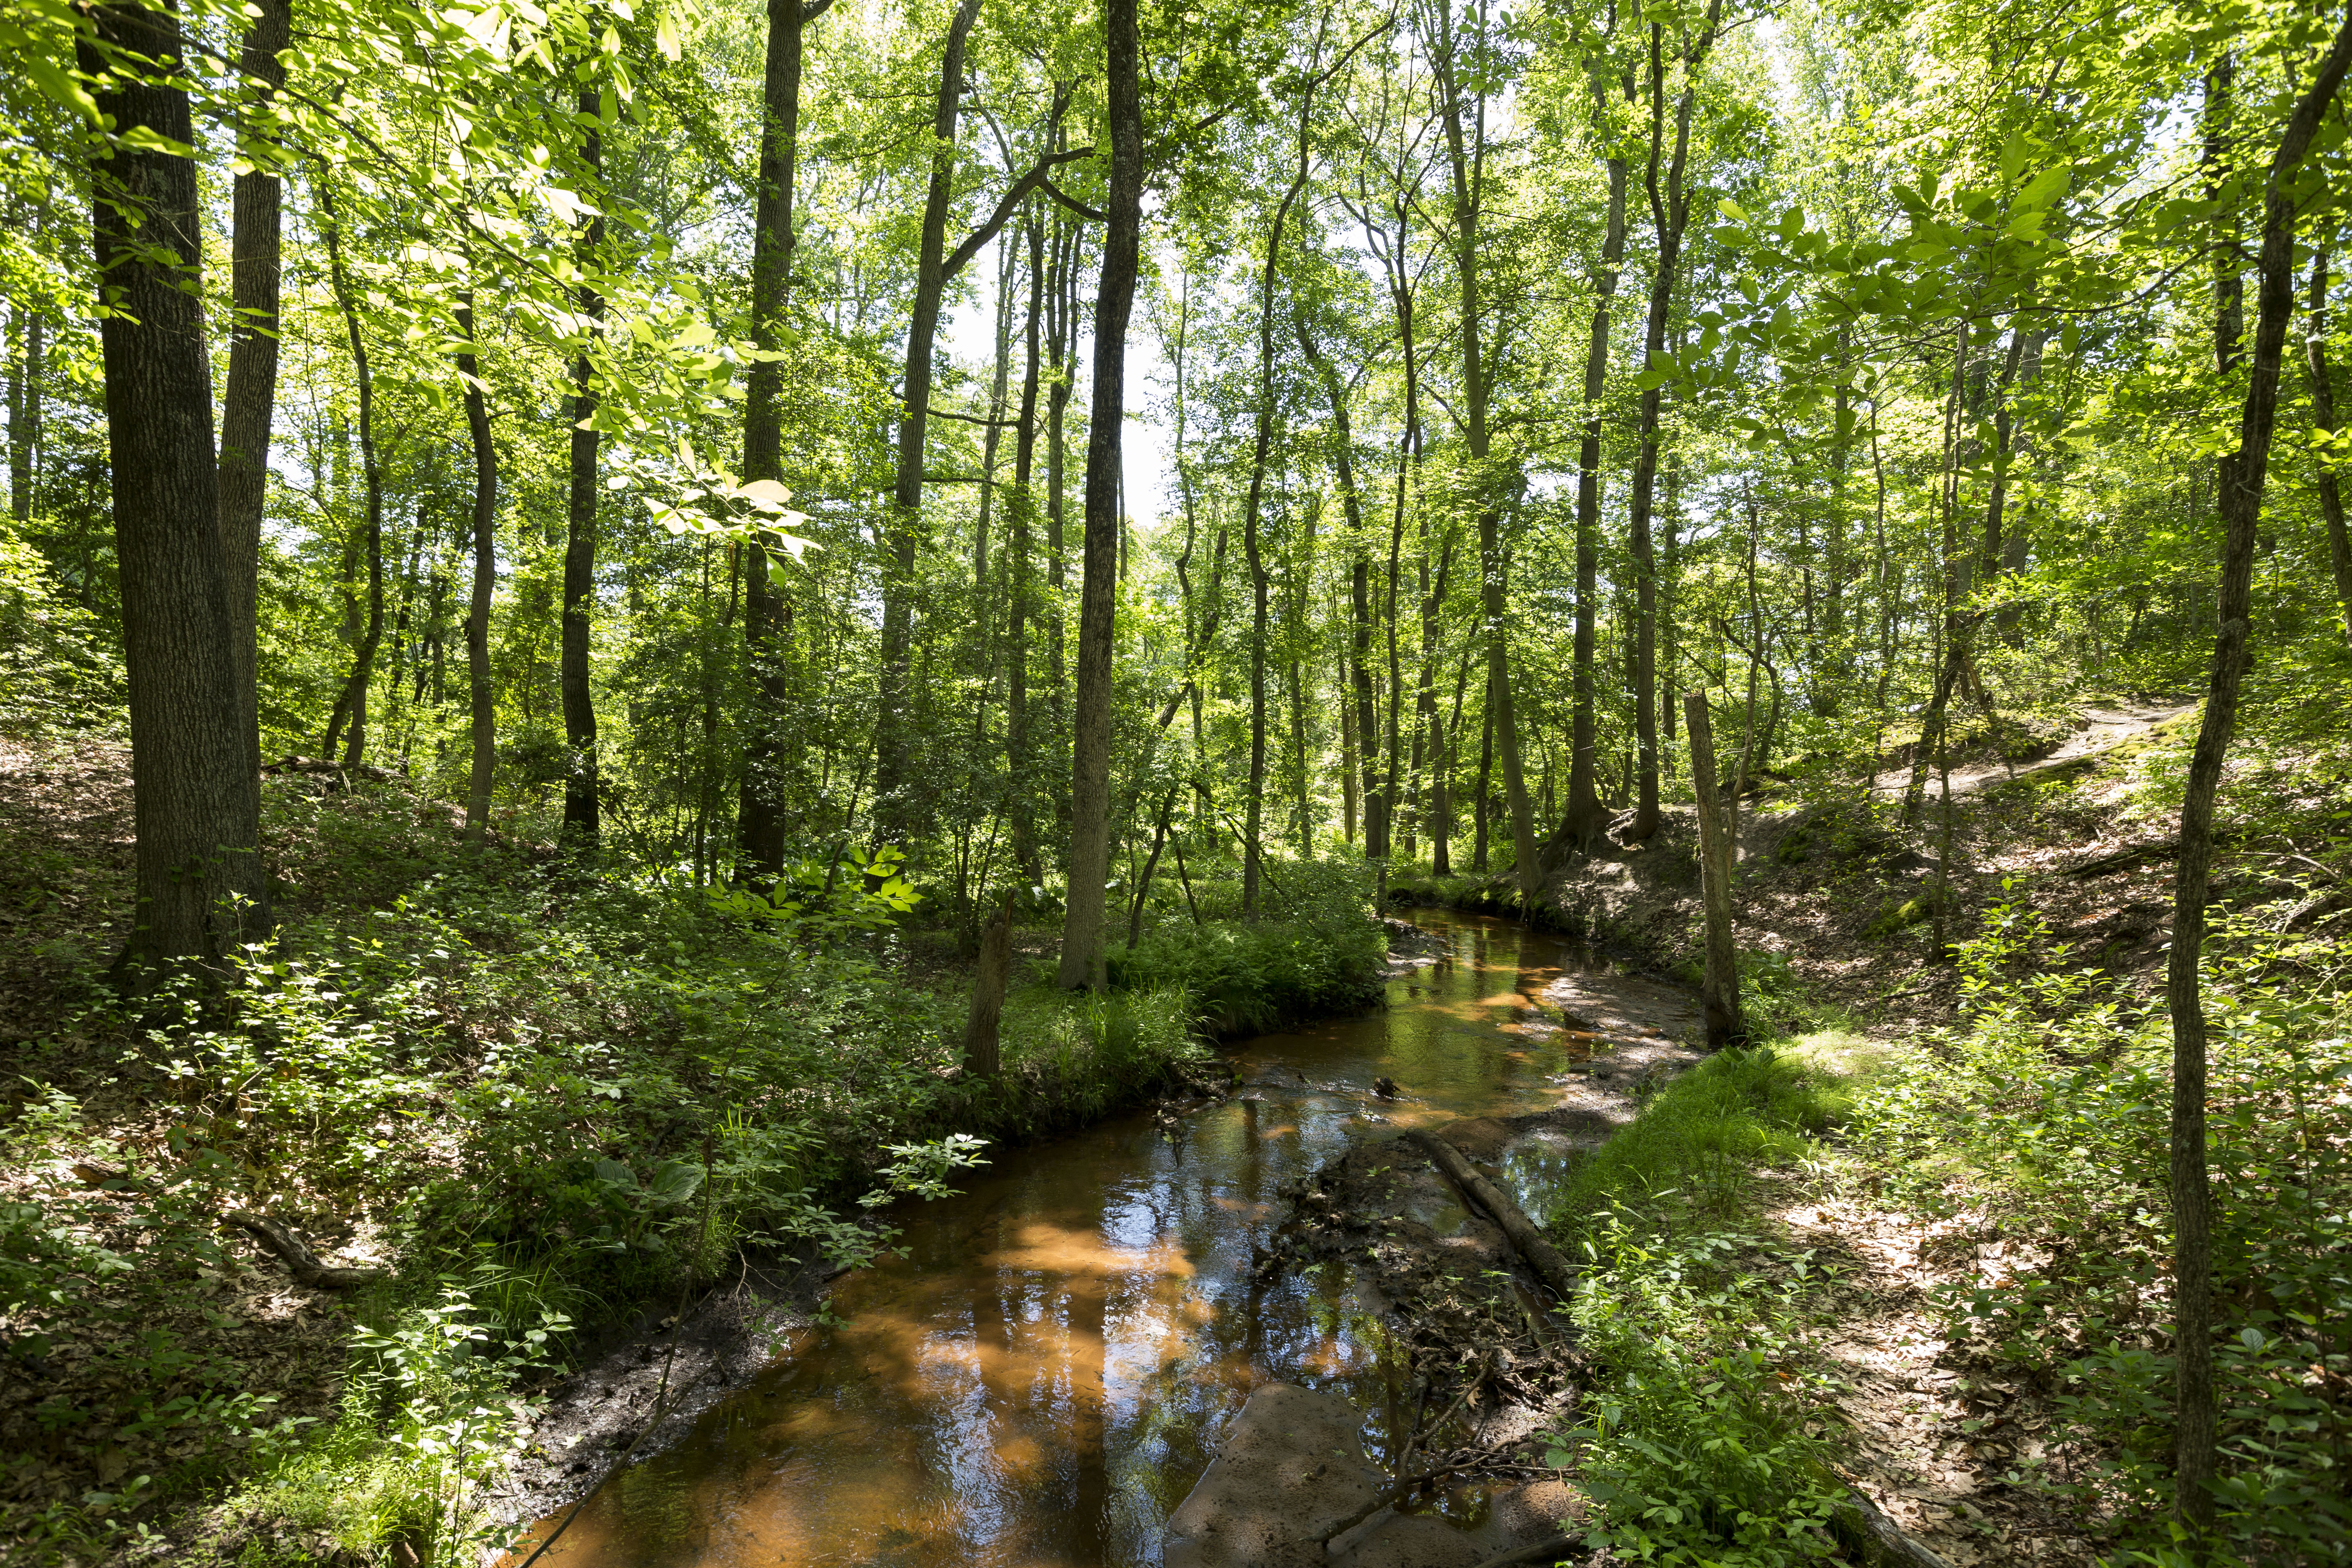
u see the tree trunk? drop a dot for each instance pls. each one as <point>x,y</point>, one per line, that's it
<point>1081,930</point>
<point>893,719</point>
<point>1720,992</point>
<point>981,1057</point>
<point>1669,212</point>
<point>1585,815</point>
<point>1022,509</point>
<point>2243,473</point>
<point>2323,415</point>
<point>196,802</point>
<point>25,414</point>
<point>1468,153</point>
<point>1362,727</point>
<point>1251,509</point>
<point>580,773</point>
<point>352,704</point>
<point>250,396</point>
<point>483,701</point>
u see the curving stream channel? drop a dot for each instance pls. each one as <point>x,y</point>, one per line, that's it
<point>1035,1375</point>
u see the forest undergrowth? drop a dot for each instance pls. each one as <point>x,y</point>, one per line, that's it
<point>1932,1257</point>
<point>534,1098</point>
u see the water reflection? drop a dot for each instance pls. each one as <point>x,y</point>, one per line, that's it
<point>1034,1377</point>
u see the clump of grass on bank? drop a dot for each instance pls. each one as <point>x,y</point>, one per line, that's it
<point>1693,1446</point>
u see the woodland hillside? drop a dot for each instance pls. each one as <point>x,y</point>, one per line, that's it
<point>628,625</point>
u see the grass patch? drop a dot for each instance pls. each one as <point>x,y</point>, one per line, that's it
<point>1694,1446</point>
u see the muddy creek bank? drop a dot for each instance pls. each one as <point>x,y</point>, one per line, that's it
<point>1039,1373</point>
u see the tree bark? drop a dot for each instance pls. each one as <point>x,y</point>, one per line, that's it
<point>25,413</point>
<point>1020,507</point>
<point>1363,727</point>
<point>768,609</point>
<point>1585,815</point>
<point>1720,992</point>
<point>2242,474</point>
<point>196,802</point>
<point>1669,212</point>
<point>1252,509</point>
<point>580,773</point>
<point>482,699</point>
<point>892,756</point>
<point>1082,930</point>
<point>352,705</point>
<point>981,1057</point>
<point>250,397</point>
<point>2323,415</point>
<point>1468,153</point>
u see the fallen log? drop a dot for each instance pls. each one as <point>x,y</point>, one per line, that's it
<point>1878,1540</point>
<point>300,1261</point>
<point>1558,1549</point>
<point>1541,1255</point>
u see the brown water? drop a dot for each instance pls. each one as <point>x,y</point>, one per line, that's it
<point>1034,1377</point>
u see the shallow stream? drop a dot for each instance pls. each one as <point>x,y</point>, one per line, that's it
<point>1034,1377</point>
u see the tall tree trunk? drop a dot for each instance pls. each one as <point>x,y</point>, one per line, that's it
<point>195,800</point>
<point>24,411</point>
<point>2323,415</point>
<point>1669,212</point>
<point>2243,473</point>
<point>1427,728</point>
<point>1022,508</point>
<point>1253,509</point>
<point>1081,930</point>
<point>250,397</point>
<point>1468,153</point>
<point>1062,361</point>
<point>580,773</point>
<point>894,719</point>
<point>1585,815</point>
<point>1363,723</point>
<point>352,704</point>
<point>482,699</point>
<point>768,608</point>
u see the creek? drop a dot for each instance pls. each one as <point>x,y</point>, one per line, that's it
<point>1035,1375</point>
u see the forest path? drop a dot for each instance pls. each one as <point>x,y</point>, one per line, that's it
<point>2105,730</point>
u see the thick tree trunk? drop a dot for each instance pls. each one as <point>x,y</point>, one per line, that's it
<point>2242,474</point>
<point>767,608</point>
<point>1081,930</point>
<point>580,773</point>
<point>981,1057</point>
<point>481,698</point>
<point>352,705</point>
<point>250,397</point>
<point>196,801</point>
